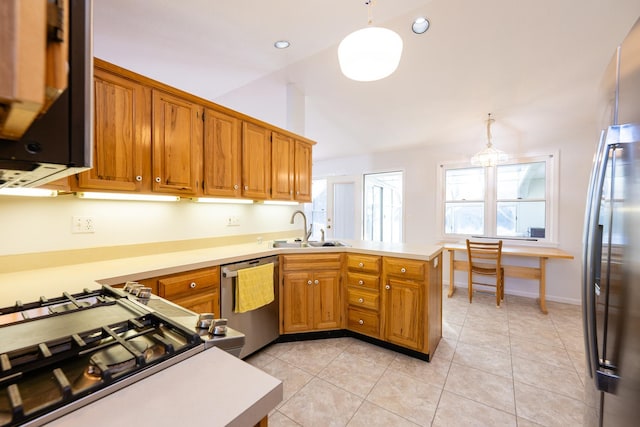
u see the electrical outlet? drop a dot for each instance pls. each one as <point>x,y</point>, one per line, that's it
<point>83,224</point>
<point>233,221</point>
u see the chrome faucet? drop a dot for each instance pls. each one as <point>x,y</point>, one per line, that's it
<point>306,233</point>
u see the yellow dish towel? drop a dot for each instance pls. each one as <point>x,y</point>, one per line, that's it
<point>254,287</point>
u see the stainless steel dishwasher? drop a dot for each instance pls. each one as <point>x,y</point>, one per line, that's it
<point>260,326</point>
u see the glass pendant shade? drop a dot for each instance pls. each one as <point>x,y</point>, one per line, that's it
<point>489,156</point>
<point>370,54</point>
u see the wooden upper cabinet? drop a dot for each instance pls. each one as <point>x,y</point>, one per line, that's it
<point>177,144</point>
<point>221,154</point>
<point>256,161</point>
<point>121,146</point>
<point>302,171</point>
<point>282,154</point>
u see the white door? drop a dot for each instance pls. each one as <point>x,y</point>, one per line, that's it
<point>336,208</point>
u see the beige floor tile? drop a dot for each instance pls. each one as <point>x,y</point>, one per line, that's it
<point>560,380</point>
<point>454,410</point>
<point>406,396</point>
<point>352,373</point>
<point>433,373</point>
<point>483,387</point>
<point>523,422</point>
<point>370,415</point>
<point>445,349</point>
<point>547,408</point>
<point>486,322</point>
<point>312,356</point>
<point>277,419</point>
<point>293,379</point>
<point>533,350</point>
<point>456,318</point>
<point>473,335</point>
<point>371,352</point>
<point>321,404</point>
<point>450,330</point>
<point>579,363</point>
<point>260,359</point>
<point>495,362</point>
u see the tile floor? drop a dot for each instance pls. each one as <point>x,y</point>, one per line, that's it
<point>512,366</point>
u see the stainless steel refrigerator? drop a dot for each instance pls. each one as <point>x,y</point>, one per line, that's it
<point>611,257</point>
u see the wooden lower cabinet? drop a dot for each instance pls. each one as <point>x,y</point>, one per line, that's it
<point>310,294</point>
<point>363,294</point>
<point>196,290</point>
<point>411,309</point>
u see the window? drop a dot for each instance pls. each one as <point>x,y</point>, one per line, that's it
<point>507,201</point>
<point>383,207</point>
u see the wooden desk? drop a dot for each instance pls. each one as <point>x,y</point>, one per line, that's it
<point>533,273</point>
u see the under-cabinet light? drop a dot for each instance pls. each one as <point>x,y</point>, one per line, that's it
<point>222,200</point>
<point>28,192</point>
<point>125,196</point>
<point>280,202</point>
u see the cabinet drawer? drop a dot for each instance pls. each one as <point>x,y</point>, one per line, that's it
<point>191,282</point>
<point>203,302</point>
<point>363,321</point>
<point>363,281</point>
<point>363,298</point>
<point>306,262</point>
<point>405,268</point>
<point>363,263</point>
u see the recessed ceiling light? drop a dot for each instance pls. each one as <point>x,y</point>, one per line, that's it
<point>282,44</point>
<point>420,25</point>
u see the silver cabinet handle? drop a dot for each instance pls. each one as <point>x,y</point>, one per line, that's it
<point>192,285</point>
<point>139,178</point>
<point>360,282</point>
<point>361,264</point>
<point>309,282</point>
<point>403,270</point>
<point>316,281</point>
<point>361,322</point>
<point>387,287</point>
<point>360,300</point>
<point>158,179</point>
<point>236,186</point>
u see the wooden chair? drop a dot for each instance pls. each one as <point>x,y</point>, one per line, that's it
<point>485,258</point>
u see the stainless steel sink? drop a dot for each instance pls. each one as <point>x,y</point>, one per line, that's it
<point>312,244</point>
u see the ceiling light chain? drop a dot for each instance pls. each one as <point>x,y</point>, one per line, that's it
<point>369,4</point>
<point>489,156</point>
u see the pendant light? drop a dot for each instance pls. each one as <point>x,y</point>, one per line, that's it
<point>489,156</point>
<point>371,53</point>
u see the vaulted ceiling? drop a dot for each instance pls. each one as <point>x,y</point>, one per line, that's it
<point>535,66</point>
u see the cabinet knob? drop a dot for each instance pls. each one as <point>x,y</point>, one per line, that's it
<point>192,285</point>
<point>309,282</point>
<point>246,187</point>
<point>360,300</point>
<point>361,264</point>
<point>403,270</point>
<point>316,281</point>
<point>361,322</point>
<point>158,179</point>
<point>236,186</point>
<point>139,178</point>
<point>360,282</point>
<point>387,287</point>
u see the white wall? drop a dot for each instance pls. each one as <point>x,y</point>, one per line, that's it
<point>30,225</point>
<point>575,146</point>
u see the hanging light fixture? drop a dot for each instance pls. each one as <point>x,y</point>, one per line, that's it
<point>489,156</point>
<point>371,53</point>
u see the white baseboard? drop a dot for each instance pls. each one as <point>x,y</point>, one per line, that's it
<point>517,293</point>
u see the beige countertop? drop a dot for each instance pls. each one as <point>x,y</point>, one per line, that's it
<point>212,388</point>
<point>30,285</point>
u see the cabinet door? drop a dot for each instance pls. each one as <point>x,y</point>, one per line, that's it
<point>177,144</point>
<point>302,171</point>
<point>297,302</point>
<point>326,299</point>
<point>121,146</point>
<point>282,154</point>
<point>256,161</point>
<point>206,302</point>
<point>402,313</point>
<point>221,154</point>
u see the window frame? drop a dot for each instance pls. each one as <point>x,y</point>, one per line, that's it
<point>491,202</point>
